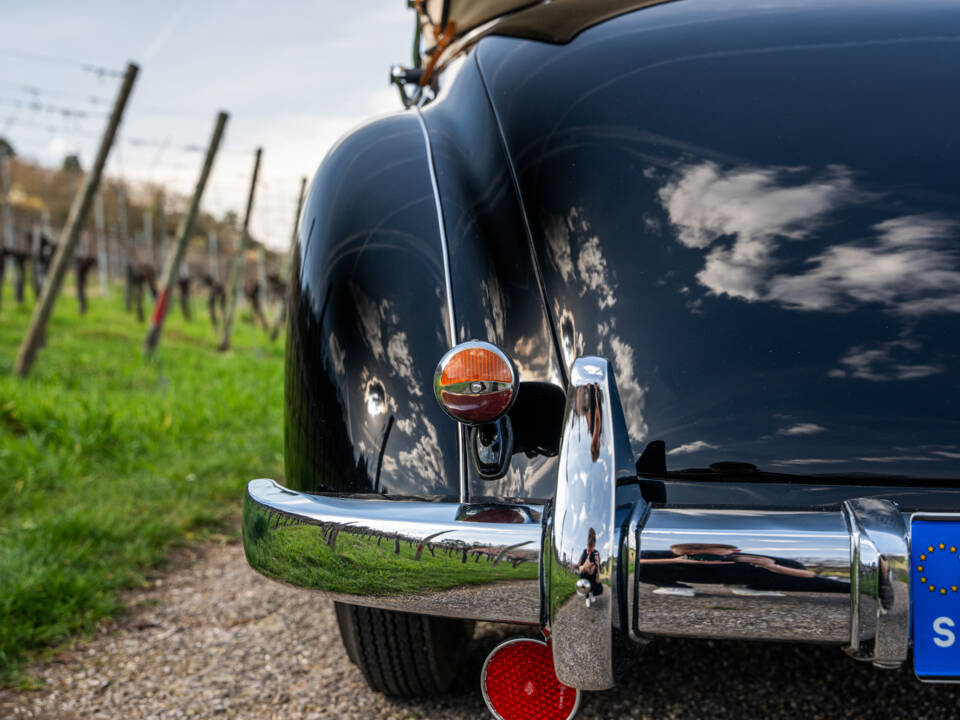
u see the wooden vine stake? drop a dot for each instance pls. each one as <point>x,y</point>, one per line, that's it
<point>71,232</point>
<point>171,269</point>
<point>233,286</point>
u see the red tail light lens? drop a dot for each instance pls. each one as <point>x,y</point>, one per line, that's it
<point>475,382</point>
<point>519,683</point>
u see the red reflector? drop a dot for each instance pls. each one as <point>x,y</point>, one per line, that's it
<point>519,682</point>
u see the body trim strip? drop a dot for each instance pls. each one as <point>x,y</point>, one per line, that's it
<point>452,329</point>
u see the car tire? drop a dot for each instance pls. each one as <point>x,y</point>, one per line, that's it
<point>403,654</point>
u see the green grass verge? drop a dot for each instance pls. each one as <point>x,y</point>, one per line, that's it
<point>108,460</point>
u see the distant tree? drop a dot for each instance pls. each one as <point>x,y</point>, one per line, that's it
<point>6,148</point>
<point>71,164</point>
<point>231,218</point>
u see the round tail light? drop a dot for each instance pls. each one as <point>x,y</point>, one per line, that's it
<point>519,682</point>
<point>475,382</point>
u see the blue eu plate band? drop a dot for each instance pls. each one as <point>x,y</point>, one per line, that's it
<point>935,575</point>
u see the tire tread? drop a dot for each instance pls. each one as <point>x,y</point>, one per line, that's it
<point>403,654</point>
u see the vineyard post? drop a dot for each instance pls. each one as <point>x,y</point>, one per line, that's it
<point>124,243</point>
<point>7,209</point>
<point>148,237</point>
<point>214,260</point>
<point>7,214</point>
<point>101,231</point>
<point>71,232</point>
<point>288,263</point>
<point>237,270</point>
<point>176,253</point>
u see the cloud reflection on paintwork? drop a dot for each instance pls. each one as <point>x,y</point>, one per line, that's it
<point>337,354</point>
<point>578,257</point>
<point>424,458</point>
<point>758,208</point>
<point>801,429</point>
<point>885,362</point>
<point>398,353</point>
<point>414,444</point>
<point>910,267</point>
<point>368,317</point>
<point>743,216</point>
<point>494,319</point>
<point>691,447</point>
<point>577,254</point>
<point>632,394</point>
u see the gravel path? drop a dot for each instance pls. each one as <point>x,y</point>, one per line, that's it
<point>212,638</point>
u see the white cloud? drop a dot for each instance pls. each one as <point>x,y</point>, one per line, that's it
<point>898,458</point>
<point>564,235</point>
<point>911,267</point>
<point>692,447</point>
<point>593,270</point>
<point>885,362</point>
<point>756,208</point>
<point>398,353</point>
<point>337,354</point>
<point>558,246</point>
<point>809,461</point>
<point>802,429</point>
<point>947,454</point>
<point>369,317</point>
<point>743,216</point>
<point>632,394</point>
<point>495,305</point>
<point>424,458</point>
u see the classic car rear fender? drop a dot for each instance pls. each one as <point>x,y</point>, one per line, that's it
<point>369,318</point>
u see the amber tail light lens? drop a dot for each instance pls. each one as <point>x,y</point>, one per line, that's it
<point>475,382</point>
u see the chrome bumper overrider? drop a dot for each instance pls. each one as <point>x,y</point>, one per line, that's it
<point>830,577</point>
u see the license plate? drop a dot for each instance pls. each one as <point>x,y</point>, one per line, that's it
<point>935,587</point>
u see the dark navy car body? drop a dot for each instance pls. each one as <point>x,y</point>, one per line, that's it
<point>729,201</point>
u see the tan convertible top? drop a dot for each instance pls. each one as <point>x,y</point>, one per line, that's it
<point>546,20</point>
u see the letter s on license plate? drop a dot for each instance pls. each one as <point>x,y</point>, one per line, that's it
<point>935,587</point>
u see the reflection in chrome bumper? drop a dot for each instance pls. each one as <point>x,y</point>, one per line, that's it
<point>827,577</point>
<point>435,558</point>
<point>830,577</point>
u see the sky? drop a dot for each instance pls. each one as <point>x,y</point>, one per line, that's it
<point>294,75</point>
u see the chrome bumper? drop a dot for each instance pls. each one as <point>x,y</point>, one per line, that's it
<point>830,577</point>
<point>435,558</point>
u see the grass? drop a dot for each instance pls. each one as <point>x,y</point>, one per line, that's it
<point>109,460</point>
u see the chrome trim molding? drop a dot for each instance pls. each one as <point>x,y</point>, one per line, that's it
<point>452,321</point>
<point>452,318</point>
<point>880,582</point>
<point>631,548</point>
<point>594,452</point>
<point>397,555</point>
